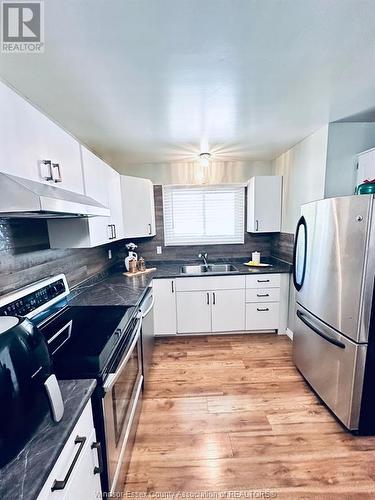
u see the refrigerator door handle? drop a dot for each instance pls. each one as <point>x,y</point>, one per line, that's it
<point>326,337</point>
<point>298,280</point>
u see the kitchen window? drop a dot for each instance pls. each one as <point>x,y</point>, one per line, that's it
<point>209,215</point>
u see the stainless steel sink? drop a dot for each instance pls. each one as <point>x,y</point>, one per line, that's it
<point>221,268</point>
<point>210,268</point>
<point>194,269</point>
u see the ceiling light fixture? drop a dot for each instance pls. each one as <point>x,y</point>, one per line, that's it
<point>204,159</point>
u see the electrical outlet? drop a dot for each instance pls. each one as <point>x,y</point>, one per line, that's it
<point>159,250</point>
<point>109,254</point>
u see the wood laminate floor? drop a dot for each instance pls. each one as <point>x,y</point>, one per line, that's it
<point>230,415</point>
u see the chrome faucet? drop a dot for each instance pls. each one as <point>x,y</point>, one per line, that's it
<point>204,257</point>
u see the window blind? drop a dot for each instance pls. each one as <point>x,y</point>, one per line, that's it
<point>208,215</point>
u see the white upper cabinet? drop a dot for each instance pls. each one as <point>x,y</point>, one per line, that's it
<point>27,138</point>
<point>264,204</point>
<point>366,166</point>
<point>115,203</point>
<point>138,207</point>
<point>96,176</point>
<point>103,184</point>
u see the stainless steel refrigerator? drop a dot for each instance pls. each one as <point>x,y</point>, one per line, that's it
<point>334,269</point>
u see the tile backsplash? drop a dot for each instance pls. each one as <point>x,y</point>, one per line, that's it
<point>282,246</point>
<point>25,256</point>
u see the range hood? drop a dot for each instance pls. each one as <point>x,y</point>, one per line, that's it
<point>25,198</point>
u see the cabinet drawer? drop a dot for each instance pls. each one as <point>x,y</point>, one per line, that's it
<point>83,428</point>
<point>263,295</point>
<point>263,281</point>
<point>210,283</point>
<point>262,316</point>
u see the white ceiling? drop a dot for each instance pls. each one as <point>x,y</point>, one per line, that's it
<point>156,80</point>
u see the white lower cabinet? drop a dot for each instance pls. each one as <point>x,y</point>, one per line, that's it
<point>193,312</point>
<point>164,311</point>
<point>262,316</point>
<point>212,304</point>
<point>267,298</point>
<point>209,304</point>
<point>228,310</point>
<point>76,472</point>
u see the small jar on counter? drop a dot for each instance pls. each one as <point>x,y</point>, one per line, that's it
<point>133,266</point>
<point>141,264</point>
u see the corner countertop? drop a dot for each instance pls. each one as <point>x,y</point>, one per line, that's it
<point>116,289</point>
<point>24,477</point>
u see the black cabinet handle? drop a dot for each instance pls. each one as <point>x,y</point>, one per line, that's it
<point>263,294</point>
<point>172,284</point>
<point>257,225</point>
<point>208,298</point>
<point>110,231</point>
<point>262,310</point>
<point>263,281</point>
<point>114,231</point>
<point>324,336</point>
<point>149,229</point>
<point>214,296</point>
<point>97,446</point>
<point>60,485</point>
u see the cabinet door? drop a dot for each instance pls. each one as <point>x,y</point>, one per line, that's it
<point>115,203</point>
<point>193,312</point>
<point>264,204</point>
<point>165,320</point>
<point>94,231</point>
<point>138,207</point>
<point>96,176</point>
<point>228,310</point>
<point>27,137</point>
<point>366,166</point>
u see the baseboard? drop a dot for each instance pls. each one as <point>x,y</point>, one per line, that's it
<point>289,333</point>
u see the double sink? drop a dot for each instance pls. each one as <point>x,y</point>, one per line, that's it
<point>209,268</point>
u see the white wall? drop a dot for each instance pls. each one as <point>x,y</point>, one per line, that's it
<point>303,170</point>
<point>345,141</point>
<point>192,173</point>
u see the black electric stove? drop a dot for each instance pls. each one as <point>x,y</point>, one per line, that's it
<point>101,342</point>
<point>85,341</point>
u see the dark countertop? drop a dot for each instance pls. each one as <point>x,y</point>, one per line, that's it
<point>24,477</point>
<point>117,289</point>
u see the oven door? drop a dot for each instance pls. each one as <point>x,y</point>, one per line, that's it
<point>121,407</point>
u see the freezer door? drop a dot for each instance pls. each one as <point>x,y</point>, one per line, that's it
<point>332,364</point>
<point>335,234</point>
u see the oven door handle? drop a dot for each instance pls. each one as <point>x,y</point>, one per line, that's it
<point>144,313</point>
<point>112,377</point>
